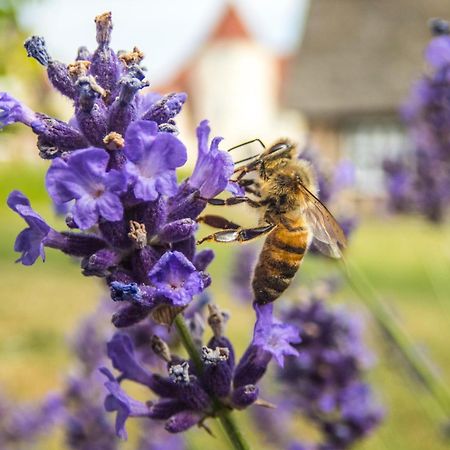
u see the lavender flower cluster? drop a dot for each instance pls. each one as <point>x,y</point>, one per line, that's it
<point>326,381</point>
<point>133,224</point>
<point>78,408</point>
<point>188,393</point>
<point>114,168</point>
<point>422,183</point>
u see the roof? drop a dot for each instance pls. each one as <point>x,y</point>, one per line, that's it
<point>360,56</point>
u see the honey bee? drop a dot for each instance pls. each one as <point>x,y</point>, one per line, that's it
<point>285,192</point>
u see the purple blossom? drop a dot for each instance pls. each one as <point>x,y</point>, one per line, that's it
<point>30,242</point>
<point>186,395</point>
<point>274,336</point>
<point>213,168</point>
<point>12,111</point>
<point>84,178</point>
<point>176,279</point>
<point>124,405</point>
<point>152,160</point>
<point>437,53</point>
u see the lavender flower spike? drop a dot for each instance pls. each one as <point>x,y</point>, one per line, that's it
<point>83,178</point>
<point>29,241</point>
<point>12,111</point>
<point>213,168</point>
<point>153,158</point>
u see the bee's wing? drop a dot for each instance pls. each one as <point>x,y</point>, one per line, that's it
<point>327,233</point>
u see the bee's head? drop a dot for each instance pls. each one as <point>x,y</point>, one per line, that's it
<point>275,156</point>
<point>281,149</point>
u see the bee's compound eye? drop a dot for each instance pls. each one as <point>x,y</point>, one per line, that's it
<point>280,147</point>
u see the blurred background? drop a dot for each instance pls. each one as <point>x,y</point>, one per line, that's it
<point>331,75</point>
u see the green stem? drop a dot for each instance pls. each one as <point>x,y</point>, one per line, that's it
<point>226,419</point>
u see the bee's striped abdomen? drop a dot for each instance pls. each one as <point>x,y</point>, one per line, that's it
<point>278,262</point>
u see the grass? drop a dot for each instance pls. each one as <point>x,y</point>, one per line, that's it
<point>406,260</point>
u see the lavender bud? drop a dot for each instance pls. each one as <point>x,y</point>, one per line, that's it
<point>123,110</point>
<point>58,133</point>
<point>36,48</point>
<point>129,315</point>
<point>56,71</point>
<point>116,233</point>
<point>89,92</point>
<point>178,230</point>
<point>251,367</point>
<point>100,262</point>
<point>182,421</point>
<point>152,214</point>
<point>105,65</point>
<point>74,244</point>
<point>217,372</point>
<point>104,28</point>
<point>187,387</point>
<point>142,261</point>
<point>129,87</point>
<point>160,348</point>
<point>223,342</point>
<point>439,27</point>
<point>244,396</point>
<point>203,258</point>
<point>83,54</point>
<point>186,246</point>
<point>216,320</point>
<point>166,108</point>
<point>165,409</point>
<point>169,127</point>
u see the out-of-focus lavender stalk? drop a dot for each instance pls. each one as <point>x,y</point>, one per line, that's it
<point>421,181</point>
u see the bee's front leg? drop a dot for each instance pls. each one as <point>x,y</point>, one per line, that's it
<point>238,235</point>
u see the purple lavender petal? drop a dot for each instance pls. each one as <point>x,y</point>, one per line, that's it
<point>213,168</point>
<point>12,111</point>
<point>121,352</point>
<point>153,158</point>
<point>176,279</point>
<point>83,178</point>
<point>123,404</point>
<point>274,336</point>
<point>30,241</point>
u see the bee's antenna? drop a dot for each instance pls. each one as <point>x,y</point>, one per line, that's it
<point>246,159</point>
<point>246,143</point>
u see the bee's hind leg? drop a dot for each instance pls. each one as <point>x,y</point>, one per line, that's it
<point>235,201</point>
<point>238,235</point>
<point>218,222</point>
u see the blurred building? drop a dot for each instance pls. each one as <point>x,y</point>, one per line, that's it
<point>236,82</point>
<point>352,72</point>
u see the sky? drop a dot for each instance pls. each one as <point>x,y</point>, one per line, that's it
<point>167,31</point>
